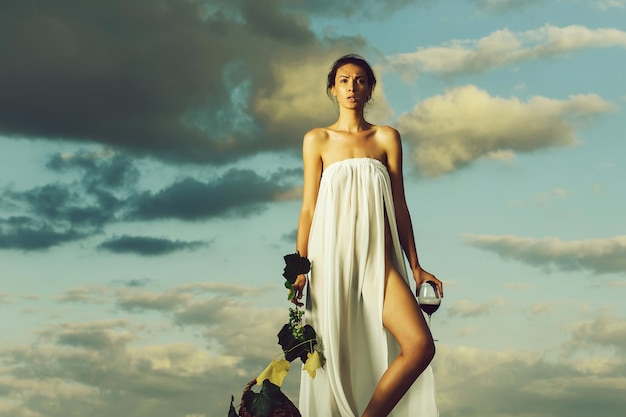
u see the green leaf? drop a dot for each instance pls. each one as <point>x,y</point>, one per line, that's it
<point>292,292</point>
<point>263,403</point>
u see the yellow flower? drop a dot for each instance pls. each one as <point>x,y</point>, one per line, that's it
<point>276,372</point>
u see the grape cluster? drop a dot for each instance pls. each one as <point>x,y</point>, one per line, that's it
<point>295,322</point>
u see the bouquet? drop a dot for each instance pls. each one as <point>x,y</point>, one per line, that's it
<point>297,340</point>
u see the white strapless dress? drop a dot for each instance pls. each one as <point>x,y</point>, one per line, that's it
<point>344,300</point>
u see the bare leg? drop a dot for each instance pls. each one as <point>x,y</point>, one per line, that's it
<point>403,319</point>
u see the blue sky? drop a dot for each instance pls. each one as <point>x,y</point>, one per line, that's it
<point>150,182</point>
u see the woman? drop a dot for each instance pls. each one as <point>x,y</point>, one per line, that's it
<point>354,225</point>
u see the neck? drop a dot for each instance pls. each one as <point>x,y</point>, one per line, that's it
<point>351,120</point>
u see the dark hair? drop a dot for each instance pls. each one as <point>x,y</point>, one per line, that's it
<point>350,59</point>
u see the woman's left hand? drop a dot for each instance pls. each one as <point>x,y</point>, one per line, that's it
<point>422,276</point>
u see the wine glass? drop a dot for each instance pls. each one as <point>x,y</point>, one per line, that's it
<point>429,298</point>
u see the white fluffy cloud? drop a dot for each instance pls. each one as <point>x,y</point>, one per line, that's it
<point>600,256</point>
<point>504,47</point>
<point>610,4</point>
<point>115,367</point>
<point>121,366</point>
<point>481,382</point>
<point>466,308</point>
<point>451,130</point>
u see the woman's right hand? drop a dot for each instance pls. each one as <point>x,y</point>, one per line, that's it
<point>298,288</point>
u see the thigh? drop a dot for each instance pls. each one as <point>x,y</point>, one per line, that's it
<point>402,316</point>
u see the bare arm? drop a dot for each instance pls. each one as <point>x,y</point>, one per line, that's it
<point>312,162</point>
<point>393,148</point>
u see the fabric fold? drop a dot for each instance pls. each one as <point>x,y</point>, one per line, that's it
<point>344,299</point>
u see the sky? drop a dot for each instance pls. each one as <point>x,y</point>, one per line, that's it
<point>150,183</point>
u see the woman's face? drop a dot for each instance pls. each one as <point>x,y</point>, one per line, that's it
<point>351,87</point>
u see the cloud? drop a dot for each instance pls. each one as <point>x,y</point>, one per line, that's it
<point>147,246</point>
<point>465,308</point>
<point>238,192</point>
<point>291,236</point>
<point>476,382</point>
<point>92,339</point>
<point>114,367</point>
<point>520,286</point>
<point>600,256</point>
<point>25,233</point>
<point>451,130</point>
<point>550,195</point>
<point>354,8</point>
<point>92,369</point>
<point>107,191</point>
<point>102,169</point>
<point>503,47</point>
<point>598,333</point>
<point>502,6</point>
<point>88,295</point>
<point>103,368</point>
<point>58,213</point>
<point>143,300</point>
<point>221,311</point>
<point>609,4</point>
<point>179,80</point>
<point>542,308</point>
<point>221,288</point>
<point>545,198</point>
<point>135,282</point>
<point>177,299</point>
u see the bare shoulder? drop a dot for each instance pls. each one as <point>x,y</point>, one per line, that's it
<point>388,138</point>
<point>316,136</point>
<point>313,142</point>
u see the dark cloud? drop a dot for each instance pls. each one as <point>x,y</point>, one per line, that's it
<point>64,204</point>
<point>147,246</point>
<point>58,213</point>
<point>356,8</point>
<point>25,233</point>
<point>178,79</point>
<point>291,236</point>
<point>502,6</point>
<point>236,193</point>
<point>106,192</point>
<point>136,282</point>
<point>108,171</point>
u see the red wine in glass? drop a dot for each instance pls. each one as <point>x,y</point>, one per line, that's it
<point>429,298</point>
<point>429,308</point>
